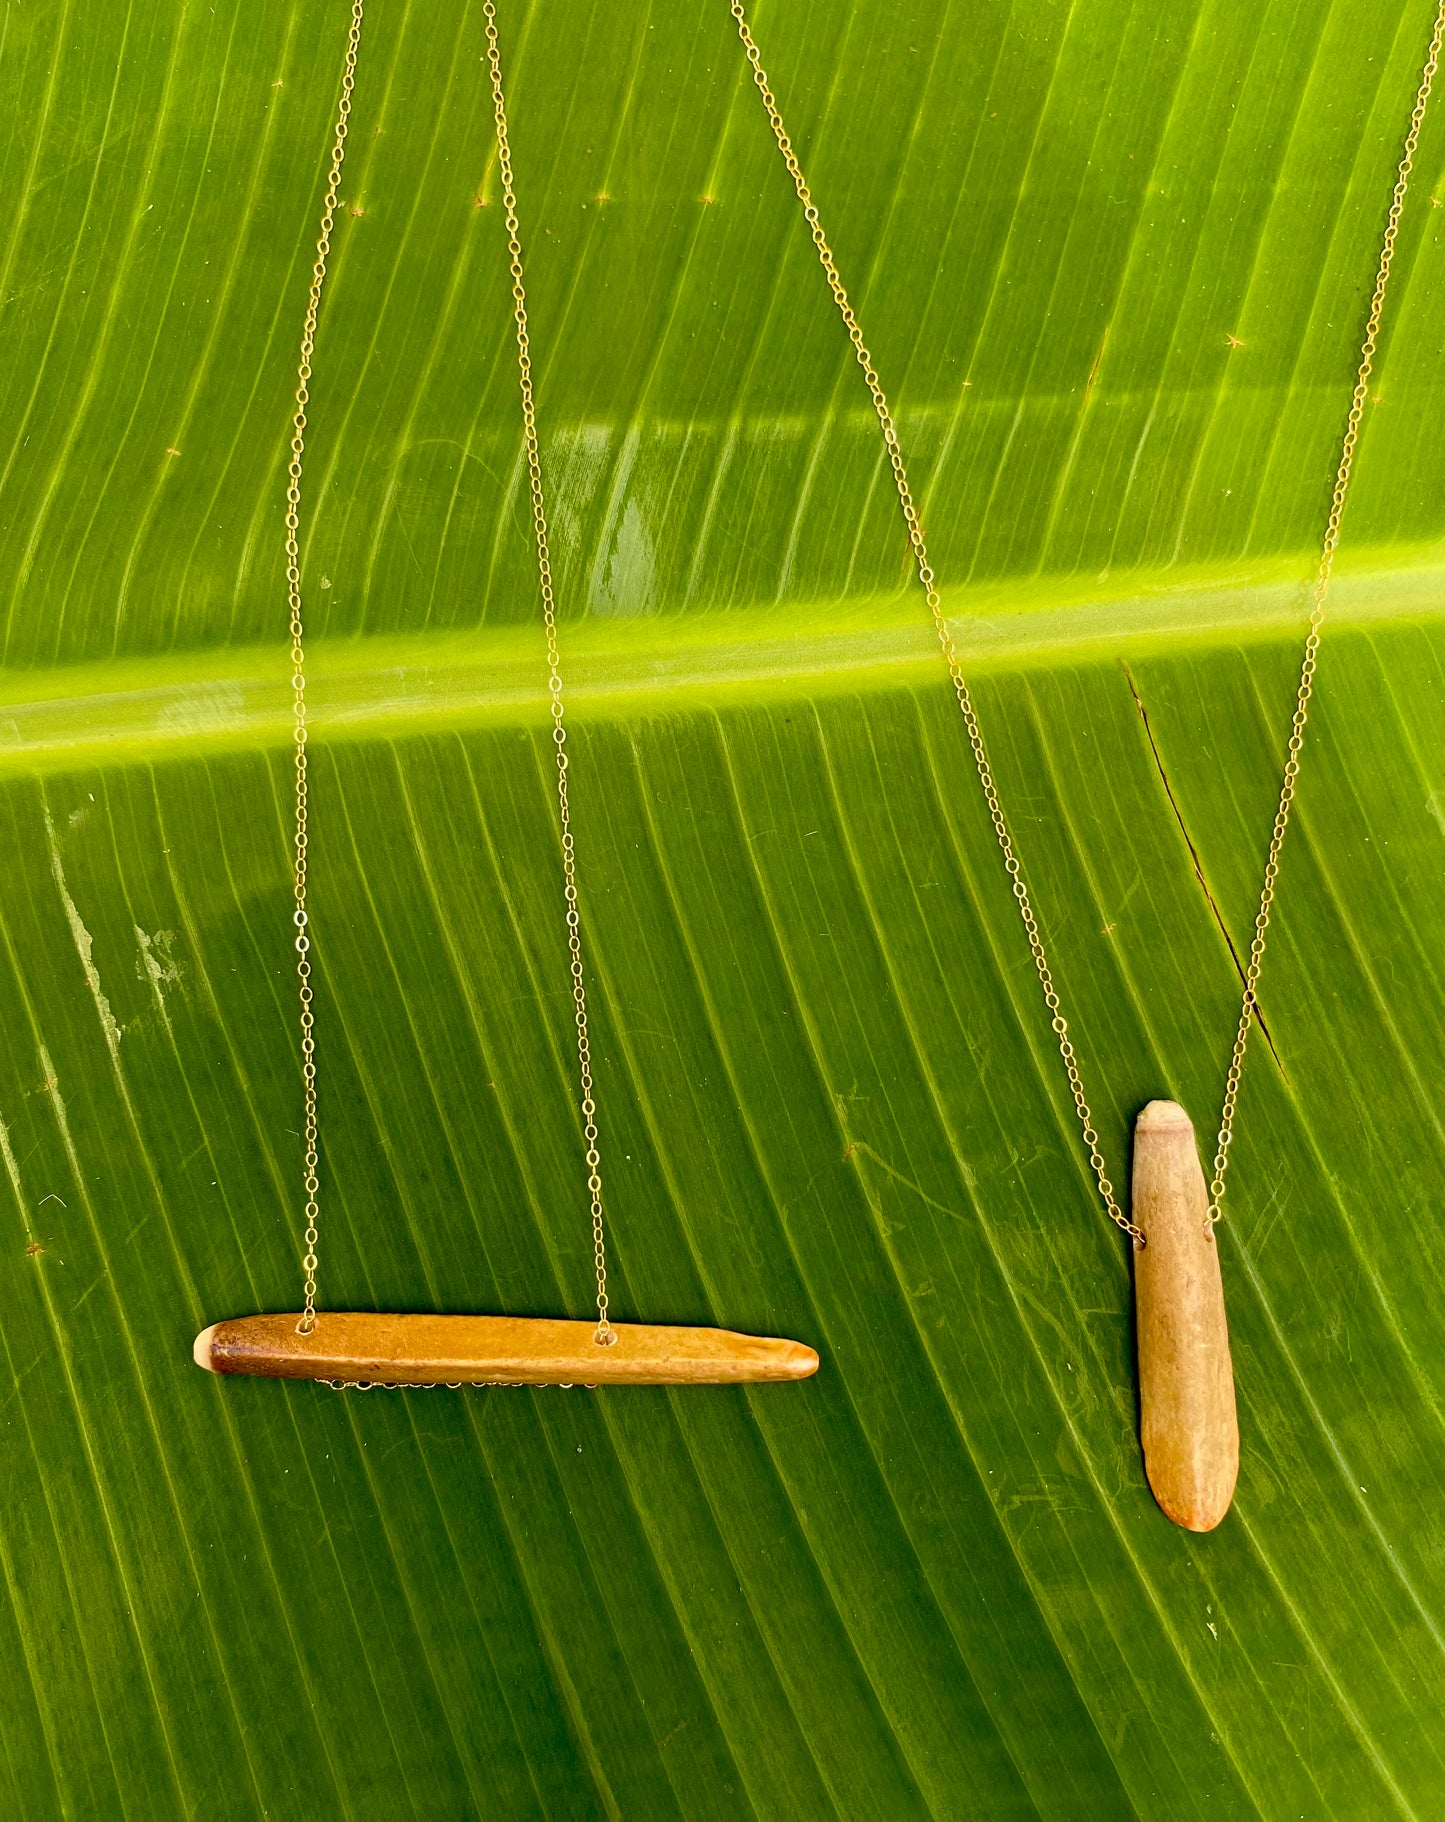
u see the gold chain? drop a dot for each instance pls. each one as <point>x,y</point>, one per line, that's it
<point>604,1337</point>
<point>1317,614</point>
<point>604,1334</point>
<point>298,668</point>
<point>940,623</point>
<point>955,669</point>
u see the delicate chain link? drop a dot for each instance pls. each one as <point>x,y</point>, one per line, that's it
<point>298,669</point>
<point>1317,614</point>
<point>448,1385</point>
<point>605,1335</point>
<point>945,637</point>
<point>955,669</point>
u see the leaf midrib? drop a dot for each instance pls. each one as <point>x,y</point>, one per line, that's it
<point>131,711</point>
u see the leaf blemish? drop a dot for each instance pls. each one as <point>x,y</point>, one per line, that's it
<point>84,942</point>
<point>155,963</point>
<point>1198,864</point>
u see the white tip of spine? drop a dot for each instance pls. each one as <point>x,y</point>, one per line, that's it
<point>1160,1116</point>
<point>201,1351</point>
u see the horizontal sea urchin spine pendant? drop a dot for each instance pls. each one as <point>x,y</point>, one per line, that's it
<point>1186,1379</point>
<point>379,1348</point>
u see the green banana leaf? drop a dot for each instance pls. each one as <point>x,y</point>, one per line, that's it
<point>1113,262</point>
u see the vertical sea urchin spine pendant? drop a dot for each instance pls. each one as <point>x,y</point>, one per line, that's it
<point>1186,1379</point>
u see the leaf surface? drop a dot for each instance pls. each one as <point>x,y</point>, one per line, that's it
<point>1113,265</point>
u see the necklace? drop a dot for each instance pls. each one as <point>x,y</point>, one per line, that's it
<point>367,1348</point>
<point>1190,1433</point>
